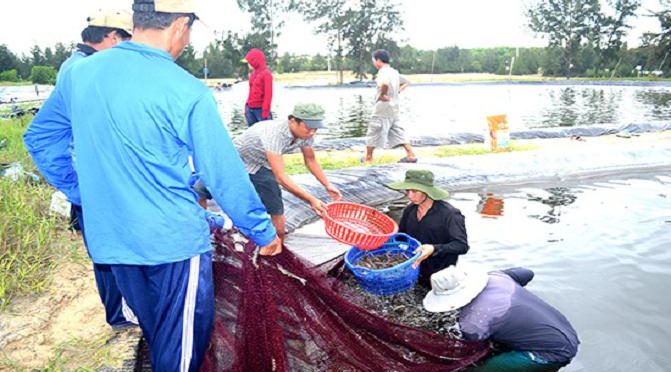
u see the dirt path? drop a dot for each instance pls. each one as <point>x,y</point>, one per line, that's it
<point>64,327</point>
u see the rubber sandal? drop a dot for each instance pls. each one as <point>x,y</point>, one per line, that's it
<point>406,160</point>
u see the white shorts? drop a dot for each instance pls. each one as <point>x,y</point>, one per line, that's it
<point>385,132</point>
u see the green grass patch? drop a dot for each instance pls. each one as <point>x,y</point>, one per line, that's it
<point>348,159</point>
<point>12,148</point>
<point>27,231</point>
<point>14,83</point>
<point>83,355</point>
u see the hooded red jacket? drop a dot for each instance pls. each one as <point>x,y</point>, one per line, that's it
<point>260,82</point>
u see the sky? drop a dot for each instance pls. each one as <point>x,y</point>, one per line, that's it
<point>429,24</point>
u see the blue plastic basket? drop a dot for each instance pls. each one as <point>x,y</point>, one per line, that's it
<point>391,280</point>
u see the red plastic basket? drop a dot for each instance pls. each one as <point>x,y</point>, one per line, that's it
<point>358,225</point>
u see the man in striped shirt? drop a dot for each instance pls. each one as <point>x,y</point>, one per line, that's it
<point>261,148</point>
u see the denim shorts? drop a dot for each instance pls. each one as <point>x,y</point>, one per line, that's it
<point>255,115</point>
<point>269,190</point>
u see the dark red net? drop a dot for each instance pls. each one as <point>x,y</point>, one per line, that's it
<point>276,314</point>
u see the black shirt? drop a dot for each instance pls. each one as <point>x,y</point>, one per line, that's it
<point>444,227</point>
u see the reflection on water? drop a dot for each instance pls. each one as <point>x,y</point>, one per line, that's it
<point>558,197</point>
<point>351,120</point>
<point>237,124</point>
<point>490,205</point>
<point>570,107</point>
<point>658,102</point>
<point>601,255</point>
<point>441,110</point>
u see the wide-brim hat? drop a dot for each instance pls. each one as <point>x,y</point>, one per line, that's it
<point>455,287</point>
<point>422,180</point>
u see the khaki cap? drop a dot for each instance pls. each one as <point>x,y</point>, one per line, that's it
<point>175,6</point>
<point>165,6</point>
<point>113,19</point>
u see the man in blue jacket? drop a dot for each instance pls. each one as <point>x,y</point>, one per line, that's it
<point>135,117</point>
<point>106,28</point>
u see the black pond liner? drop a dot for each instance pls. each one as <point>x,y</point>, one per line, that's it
<point>539,133</point>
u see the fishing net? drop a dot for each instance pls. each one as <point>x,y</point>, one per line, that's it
<point>276,314</point>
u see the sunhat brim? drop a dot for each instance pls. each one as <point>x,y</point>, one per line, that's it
<point>475,282</point>
<point>433,192</point>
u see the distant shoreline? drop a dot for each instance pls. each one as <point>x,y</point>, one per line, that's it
<point>329,78</point>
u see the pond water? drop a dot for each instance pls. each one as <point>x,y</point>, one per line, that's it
<point>441,109</point>
<point>600,251</point>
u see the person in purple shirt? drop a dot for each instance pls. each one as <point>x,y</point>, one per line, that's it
<point>495,306</point>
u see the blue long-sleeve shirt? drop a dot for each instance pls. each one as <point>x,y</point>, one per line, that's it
<point>135,116</point>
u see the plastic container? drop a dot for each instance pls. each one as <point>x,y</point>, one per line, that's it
<point>358,225</point>
<point>390,280</point>
<point>499,133</point>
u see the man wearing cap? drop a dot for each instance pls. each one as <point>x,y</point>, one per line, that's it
<point>136,117</point>
<point>106,28</point>
<point>495,306</point>
<point>261,148</point>
<point>257,107</point>
<point>439,226</point>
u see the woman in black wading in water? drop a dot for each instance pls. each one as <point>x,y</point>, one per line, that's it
<point>439,226</point>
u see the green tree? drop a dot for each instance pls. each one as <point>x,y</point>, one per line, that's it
<point>188,61</point>
<point>8,60</point>
<point>224,56</point>
<point>61,53</point>
<point>660,42</point>
<point>567,24</point>
<point>370,22</point>
<point>49,58</point>
<point>37,56</point>
<point>24,66</point>
<point>318,63</point>
<point>613,30</point>
<point>43,75</point>
<point>284,63</point>
<point>9,75</point>
<point>267,18</point>
<point>331,18</point>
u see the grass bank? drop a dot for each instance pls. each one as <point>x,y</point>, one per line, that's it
<point>28,234</point>
<point>14,83</point>
<point>330,78</point>
<point>349,158</point>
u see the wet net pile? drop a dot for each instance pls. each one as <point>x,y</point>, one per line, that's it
<point>276,314</point>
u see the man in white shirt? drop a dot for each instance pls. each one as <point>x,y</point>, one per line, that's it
<point>384,127</point>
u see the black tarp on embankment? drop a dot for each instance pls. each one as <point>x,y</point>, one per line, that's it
<point>366,184</point>
<point>539,133</point>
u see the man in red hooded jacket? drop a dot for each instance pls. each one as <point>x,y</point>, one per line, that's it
<point>257,107</point>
